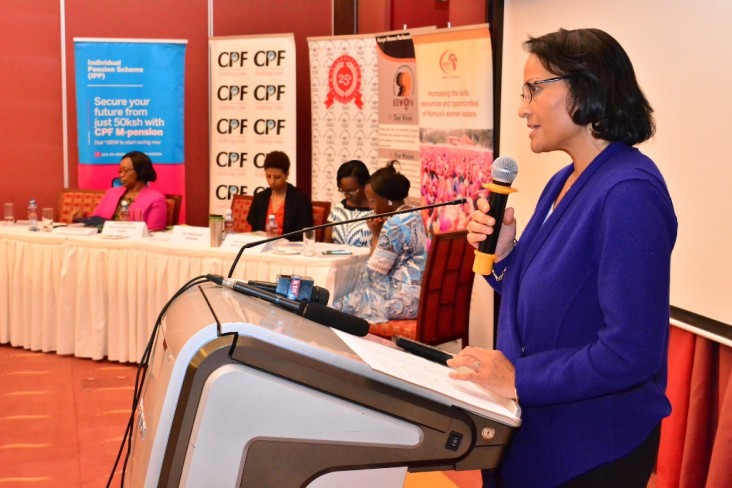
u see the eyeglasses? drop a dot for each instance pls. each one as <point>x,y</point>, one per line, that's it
<point>348,193</point>
<point>124,171</point>
<point>530,87</point>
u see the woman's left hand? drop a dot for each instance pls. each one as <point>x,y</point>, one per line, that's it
<point>487,368</point>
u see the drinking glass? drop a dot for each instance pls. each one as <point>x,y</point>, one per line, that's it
<point>47,219</point>
<point>9,211</point>
<point>308,243</point>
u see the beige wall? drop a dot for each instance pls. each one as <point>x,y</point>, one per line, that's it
<point>680,52</point>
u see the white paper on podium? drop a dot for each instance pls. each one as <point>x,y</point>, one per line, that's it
<point>427,374</point>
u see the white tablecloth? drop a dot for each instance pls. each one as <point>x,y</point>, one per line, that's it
<point>95,297</point>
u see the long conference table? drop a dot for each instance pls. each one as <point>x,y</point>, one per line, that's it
<point>95,297</point>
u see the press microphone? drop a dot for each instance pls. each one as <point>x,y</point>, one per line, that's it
<point>316,312</point>
<point>295,288</point>
<point>503,172</point>
<point>459,201</point>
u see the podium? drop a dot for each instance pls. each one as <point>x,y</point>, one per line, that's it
<point>240,393</point>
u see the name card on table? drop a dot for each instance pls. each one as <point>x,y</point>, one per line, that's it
<point>188,235</point>
<point>234,242</point>
<point>76,231</point>
<point>114,229</point>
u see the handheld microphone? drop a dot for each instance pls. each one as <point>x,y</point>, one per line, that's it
<point>503,172</point>
<point>459,201</point>
<point>295,288</point>
<point>316,312</point>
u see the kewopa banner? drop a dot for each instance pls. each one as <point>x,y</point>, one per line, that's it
<point>253,112</point>
<point>130,97</point>
<point>398,113</point>
<point>455,106</point>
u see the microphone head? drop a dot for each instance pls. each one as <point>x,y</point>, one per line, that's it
<point>504,169</point>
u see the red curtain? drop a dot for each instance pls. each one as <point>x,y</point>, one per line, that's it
<point>696,439</point>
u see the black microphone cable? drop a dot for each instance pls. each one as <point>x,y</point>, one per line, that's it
<point>140,379</point>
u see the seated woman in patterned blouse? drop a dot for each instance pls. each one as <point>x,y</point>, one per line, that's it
<point>351,178</point>
<point>389,286</point>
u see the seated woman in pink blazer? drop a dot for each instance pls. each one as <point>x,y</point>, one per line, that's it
<point>135,171</point>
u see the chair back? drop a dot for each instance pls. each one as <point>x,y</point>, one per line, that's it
<point>240,205</point>
<point>447,284</point>
<point>444,301</point>
<point>321,210</point>
<point>73,200</point>
<point>174,202</point>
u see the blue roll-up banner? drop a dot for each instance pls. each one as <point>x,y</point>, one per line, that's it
<point>129,96</point>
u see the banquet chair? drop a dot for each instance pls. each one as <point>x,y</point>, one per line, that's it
<point>321,210</point>
<point>444,302</point>
<point>240,205</point>
<point>174,203</point>
<point>73,200</point>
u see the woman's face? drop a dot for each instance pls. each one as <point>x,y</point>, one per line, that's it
<point>376,203</point>
<point>127,174</point>
<point>547,114</point>
<point>351,189</point>
<point>276,179</point>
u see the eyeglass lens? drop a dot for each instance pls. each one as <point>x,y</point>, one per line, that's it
<point>528,88</point>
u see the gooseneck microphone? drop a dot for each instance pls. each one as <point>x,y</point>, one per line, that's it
<point>503,172</point>
<point>316,312</point>
<point>459,201</point>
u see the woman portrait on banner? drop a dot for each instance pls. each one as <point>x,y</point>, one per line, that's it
<point>389,287</point>
<point>135,172</point>
<point>351,179</point>
<point>292,208</point>
<point>584,316</point>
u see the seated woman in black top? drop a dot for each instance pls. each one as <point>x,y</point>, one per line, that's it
<point>291,207</point>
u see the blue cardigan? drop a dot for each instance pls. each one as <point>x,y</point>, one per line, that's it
<point>584,317</point>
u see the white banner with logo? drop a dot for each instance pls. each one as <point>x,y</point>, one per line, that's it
<point>253,112</point>
<point>455,94</point>
<point>345,103</point>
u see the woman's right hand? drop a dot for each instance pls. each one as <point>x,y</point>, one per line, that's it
<point>375,224</point>
<point>481,226</point>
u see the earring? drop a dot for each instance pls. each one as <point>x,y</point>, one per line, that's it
<point>390,204</point>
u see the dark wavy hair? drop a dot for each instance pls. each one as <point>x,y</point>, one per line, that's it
<point>353,168</point>
<point>389,183</point>
<point>277,160</point>
<point>603,88</point>
<point>143,166</point>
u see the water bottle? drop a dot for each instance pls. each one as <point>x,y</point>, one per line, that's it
<point>228,224</point>
<point>124,211</point>
<point>271,227</point>
<point>33,215</point>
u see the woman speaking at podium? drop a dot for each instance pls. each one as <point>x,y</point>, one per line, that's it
<point>584,317</point>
